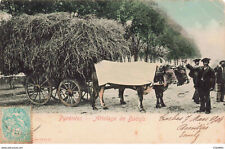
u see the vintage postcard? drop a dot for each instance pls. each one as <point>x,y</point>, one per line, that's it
<point>112,71</point>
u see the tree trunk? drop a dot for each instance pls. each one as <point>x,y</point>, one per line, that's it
<point>121,59</point>
<point>146,56</point>
<point>135,55</point>
<point>129,59</point>
<point>154,60</point>
<point>151,59</point>
<point>134,48</point>
<point>147,52</point>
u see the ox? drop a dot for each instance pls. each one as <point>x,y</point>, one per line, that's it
<point>170,75</point>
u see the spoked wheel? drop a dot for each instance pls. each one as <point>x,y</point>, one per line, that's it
<point>86,94</point>
<point>38,89</point>
<point>54,94</point>
<point>69,92</point>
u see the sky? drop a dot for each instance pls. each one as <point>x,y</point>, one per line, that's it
<point>203,20</point>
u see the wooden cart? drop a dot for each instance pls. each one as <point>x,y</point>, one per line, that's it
<point>40,89</point>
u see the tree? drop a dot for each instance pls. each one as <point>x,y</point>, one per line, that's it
<point>150,28</point>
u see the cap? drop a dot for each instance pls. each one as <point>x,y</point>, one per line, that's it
<point>205,60</point>
<point>223,61</point>
<point>197,60</point>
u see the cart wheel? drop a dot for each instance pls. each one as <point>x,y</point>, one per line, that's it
<point>86,94</point>
<point>38,89</point>
<point>69,92</point>
<point>54,94</point>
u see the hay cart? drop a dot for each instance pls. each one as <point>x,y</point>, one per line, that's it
<point>61,45</point>
<point>40,89</point>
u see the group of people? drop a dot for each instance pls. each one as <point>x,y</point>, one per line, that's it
<point>205,79</point>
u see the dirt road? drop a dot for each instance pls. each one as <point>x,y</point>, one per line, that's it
<point>176,98</point>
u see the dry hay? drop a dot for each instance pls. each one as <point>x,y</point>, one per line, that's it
<point>59,45</point>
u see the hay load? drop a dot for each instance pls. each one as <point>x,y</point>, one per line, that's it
<point>4,16</point>
<point>59,45</point>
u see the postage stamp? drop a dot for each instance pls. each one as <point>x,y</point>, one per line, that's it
<point>15,125</point>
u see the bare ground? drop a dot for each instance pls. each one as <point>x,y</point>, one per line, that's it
<point>176,98</point>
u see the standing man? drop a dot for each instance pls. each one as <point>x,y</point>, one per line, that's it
<point>194,74</point>
<point>159,86</point>
<point>220,80</point>
<point>206,83</point>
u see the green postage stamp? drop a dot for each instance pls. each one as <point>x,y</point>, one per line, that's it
<point>15,125</point>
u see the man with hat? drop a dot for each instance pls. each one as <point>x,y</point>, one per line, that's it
<point>206,78</point>
<point>205,83</point>
<point>193,74</point>
<point>220,80</point>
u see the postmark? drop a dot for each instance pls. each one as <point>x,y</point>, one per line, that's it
<point>16,125</point>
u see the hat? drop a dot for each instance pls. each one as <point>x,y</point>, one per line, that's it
<point>205,60</point>
<point>197,60</point>
<point>223,61</point>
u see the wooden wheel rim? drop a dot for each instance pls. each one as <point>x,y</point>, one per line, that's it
<point>85,95</point>
<point>55,93</point>
<point>69,92</point>
<point>38,90</point>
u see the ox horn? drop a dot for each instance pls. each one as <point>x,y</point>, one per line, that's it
<point>163,60</point>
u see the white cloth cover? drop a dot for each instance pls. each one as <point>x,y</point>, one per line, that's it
<point>127,73</point>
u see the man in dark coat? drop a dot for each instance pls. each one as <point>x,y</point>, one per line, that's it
<point>205,83</point>
<point>220,80</point>
<point>193,74</point>
<point>159,86</point>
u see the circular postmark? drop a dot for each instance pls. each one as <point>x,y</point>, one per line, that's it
<point>16,124</point>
